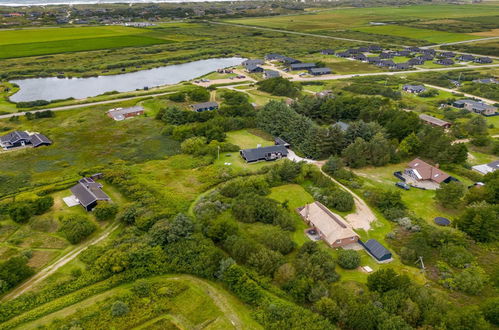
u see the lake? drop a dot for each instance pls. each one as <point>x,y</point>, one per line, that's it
<point>62,88</point>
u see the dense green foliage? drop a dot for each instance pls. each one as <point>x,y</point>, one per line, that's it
<point>76,228</point>
<point>279,86</point>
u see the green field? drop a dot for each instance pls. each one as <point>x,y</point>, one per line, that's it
<point>414,33</point>
<point>30,42</point>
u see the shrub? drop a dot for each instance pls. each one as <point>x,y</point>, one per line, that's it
<point>43,204</point>
<point>279,86</point>
<point>177,97</point>
<point>105,211</point>
<point>119,308</point>
<point>348,259</point>
<point>199,94</point>
<point>457,256</point>
<point>76,228</point>
<point>141,288</point>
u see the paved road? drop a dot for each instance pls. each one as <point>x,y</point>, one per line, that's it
<point>76,106</point>
<point>63,260</point>
<point>483,99</point>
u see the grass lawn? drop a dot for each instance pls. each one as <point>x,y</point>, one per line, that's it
<point>262,98</point>
<point>296,197</point>
<point>249,139</point>
<point>494,121</point>
<point>415,33</point>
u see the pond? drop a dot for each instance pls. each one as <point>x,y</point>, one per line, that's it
<point>62,88</point>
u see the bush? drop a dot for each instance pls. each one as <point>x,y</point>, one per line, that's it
<point>177,97</point>
<point>279,86</point>
<point>105,211</point>
<point>76,228</point>
<point>457,256</point>
<point>348,259</point>
<point>42,205</point>
<point>199,94</point>
<point>119,308</point>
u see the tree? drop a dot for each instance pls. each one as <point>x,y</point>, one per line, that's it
<point>476,126</point>
<point>450,194</point>
<point>480,221</point>
<point>20,212</point>
<point>457,256</point>
<point>490,310</point>
<point>327,308</point>
<point>76,228</point>
<point>105,211</point>
<point>13,271</point>
<point>332,165</point>
<point>128,215</point>
<point>387,279</point>
<point>348,259</point>
<point>181,227</point>
<point>410,145</point>
<point>42,204</point>
<point>265,261</point>
<point>471,280</point>
<point>119,308</point>
<point>199,94</point>
<point>357,154</point>
<point>279,86</point>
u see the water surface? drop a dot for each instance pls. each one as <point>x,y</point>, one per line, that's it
<point>62,88</point>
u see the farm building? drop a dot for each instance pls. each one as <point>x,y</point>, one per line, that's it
<point>376,250</point>
<point>19,139</point>
<point>330,226</point>
<point>125,113</point>
<point>487,168</point>
<point>434,121</point>
<point>319,71</point>
<point>475,106</point>
<point>271,74</point>
<point>206,106</point>
<point>414,89</point>
<point>425,175</point>
<point>264,153</point>
<point>301,66</point>
<point>87,192</point>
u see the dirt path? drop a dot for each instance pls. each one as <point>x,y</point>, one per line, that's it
<point>363,215</point>
<point>468,140</point>
<point>52,268</point>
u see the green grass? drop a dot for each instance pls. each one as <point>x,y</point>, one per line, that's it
<point>77,45</point>
<point>414,33</point>
<point>246,139</point>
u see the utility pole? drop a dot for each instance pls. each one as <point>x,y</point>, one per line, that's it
<point>218,152</point>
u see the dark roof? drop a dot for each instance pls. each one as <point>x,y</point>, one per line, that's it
<point>271,74</point>
<point>414,88</point>
<point>494,164</point>
<point>447,54</point>
<point>253,67</point>
<point>302,66</point>
<point>38,139</point>
<point>415,61</point>
<point>374,47</point>
<point>253,62</point>
<point>327,51</point>
<point>445,61</point>
<point>279,141</point>
<point>204,105</point>
<point>87,191</point>
<point>425,57</point>
<point>375,59</point>
<point>320,70</point>
<point>272,57</point>
<point>442,221</point>
<point>386,55</point>
<point>433,120</point>
<point>483,60</point>
<point>466,57</point>
<point>387,63</point>
<point>377,250</point>
<point>255,154</point>
<point>288,60</point>
<point>14,137</point>
<point>402,66</point>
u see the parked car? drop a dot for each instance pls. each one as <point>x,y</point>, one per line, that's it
<point>403,185</point>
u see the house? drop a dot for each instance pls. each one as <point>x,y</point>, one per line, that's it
<point>419,171</point>
<point>386,64</point>
<point>444,61</point>
<point>359,57</point>
<point>324,93</point>
<point>374,60</point>
<point>327,52</point>
<point>253,68</point>
<point>385,55</point>
<point>466,58</point>
<point>264,153</point>
<point>483,60</point>
<point>330,226</point>
<point>17,139</point>
<point>475,106</point>
<point>486,81</point>
<point>301,66</point>
<point>87,193</point>
<point>363,49</point>
<point>288,60</point>
<point>447,54</point>
<point>253,62</point>
<point>455,83</point>
<point>319,71</point>
<point>271,74</point>
<point>402,53</point>
<point>206,106</point>
<point>280,142</point>
<point>434,121</point>
<point>428,51</point>
<point>125,113</point>
<point>424,57</point>
<point>415,61</point>
<point>343,54</point>
<point>353,51</point>
<point>402,66</point>
<point>414,89</point>
<point>413,49</point>
<point>273,57</point>
<point>376,250</point>
<point>487,168</point>
<point>374,48</point>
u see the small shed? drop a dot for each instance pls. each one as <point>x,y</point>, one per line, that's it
<point>375,249</point>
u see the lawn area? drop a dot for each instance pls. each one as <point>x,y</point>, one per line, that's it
<point>494,121</point>
<point>296,197</point>
<point>415,33</point>
<point>247,139</point>
<point>421,202</point>
<point>262,98</point>
<point>29,42</point>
